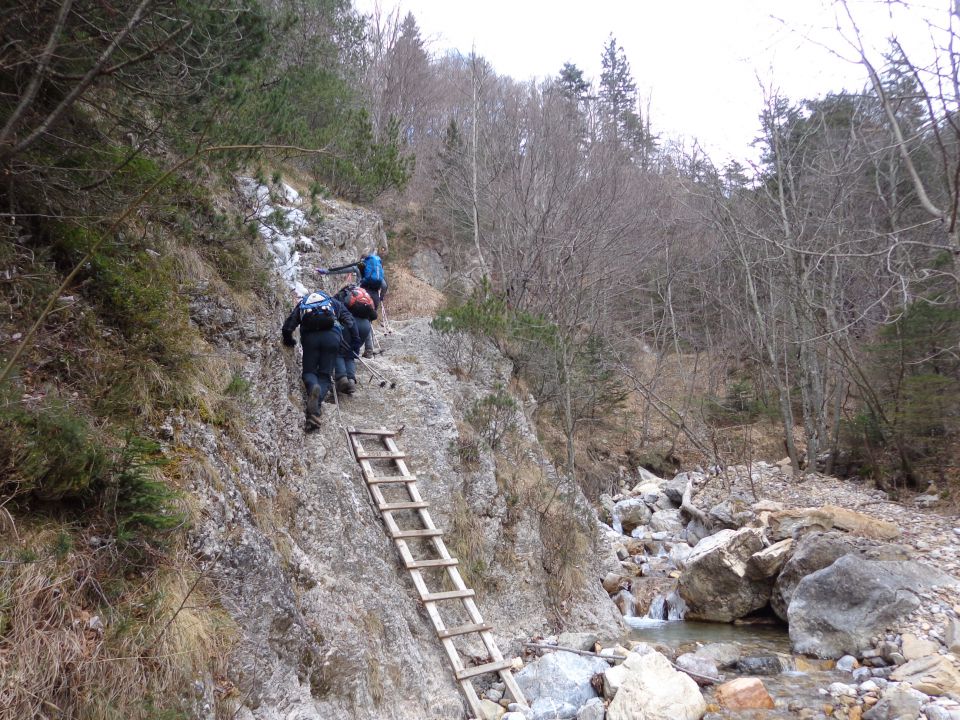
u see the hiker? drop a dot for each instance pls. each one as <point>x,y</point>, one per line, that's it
<point>360,304</point>
<point>322,320</point>
<point>369,271</point>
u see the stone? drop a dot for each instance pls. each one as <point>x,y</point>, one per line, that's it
<point>547,708</point>
<point>932,675</point>
<point>938,712</point>
<point>913,648</point>
<point>653,690</point>
<point>744,694</point>
<point>951,635</point>
<point>696,531</point>
<point>848,663</point>
<point>703,670</point>
<point>674,488</point>
<point>427,265</point>
<point>577,640</point>
<point>897,703</point>
<point>679,554</point>
<point>606,508</point>
<point>790,523</point>
<point>562,677</point>
<point>769,561</point>
<point>715,583</point>
<point>490,710</point>
<point>815,551</point>
<point>725,655</point>
<point>593,710</point>
<point>760,665</point>
<point>631,513</point>
<point>837,689</point>
<point>614,582</point>
<point>836,611</point>
<point>514,716</point>
<point>732,513</point>
<point>612,680</point>
<point>666,521</point>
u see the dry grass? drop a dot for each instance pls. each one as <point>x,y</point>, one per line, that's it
<point>410,297</point>
<point>466,539</point>
<point>76,641</point>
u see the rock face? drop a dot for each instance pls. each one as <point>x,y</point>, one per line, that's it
<point>717,584</point>
<point>744,694</point>
<point>328,624</point>
<point>836,611</point>
<point>817,550</point>
<point>653,690</point>
<point>561,677</point>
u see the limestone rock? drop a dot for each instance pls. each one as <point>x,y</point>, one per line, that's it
<point>612,680</point>
<point>702,669</point>
<point>744,694</point>
<point>562,677</point>
<point>815,551</point>
<point>914,648</point>
<point>593,710</point>
<point>733,513</point>
<point>653,690</point>
<point>577,640</point>
<point>725,655</point>
<point>490,710</point>
<point>951,635</point>
<point>632,513</point>
<point>837,610</point>
<point>897,703</point>
<point>547,708</point>
<point>769,561</point>
<point>789,523</point>
<point>715,583</point>
<point>666,521</point>
<point>760,665</point>
<point>932,675</point>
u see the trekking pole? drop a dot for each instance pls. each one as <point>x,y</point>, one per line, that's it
<point>384,381</point>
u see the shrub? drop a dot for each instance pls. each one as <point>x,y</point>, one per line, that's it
<point>494,416</point>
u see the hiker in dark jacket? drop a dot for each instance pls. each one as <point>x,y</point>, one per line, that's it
<point>371,277</point>
<point>360,304</point>
<point>325,324</point>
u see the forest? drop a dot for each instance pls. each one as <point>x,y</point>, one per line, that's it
<point>805,306</point>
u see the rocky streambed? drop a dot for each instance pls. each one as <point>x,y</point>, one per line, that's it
<point>825,600</point>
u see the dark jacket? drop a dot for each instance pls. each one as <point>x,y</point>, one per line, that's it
<point>343,317</point>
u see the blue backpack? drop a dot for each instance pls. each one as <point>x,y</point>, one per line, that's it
<point>317,312</point>
<point>372,269</point>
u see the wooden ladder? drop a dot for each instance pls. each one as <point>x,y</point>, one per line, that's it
<point>428,531</point>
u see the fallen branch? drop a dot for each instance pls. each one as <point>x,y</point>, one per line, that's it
<point>687,506</point>
<point>614,658</point>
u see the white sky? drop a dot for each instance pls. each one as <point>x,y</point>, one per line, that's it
<point>702,62</point>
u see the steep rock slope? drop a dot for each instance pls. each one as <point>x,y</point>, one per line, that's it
<point>327,621</point>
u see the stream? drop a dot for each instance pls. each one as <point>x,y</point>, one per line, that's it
<point>793,690</point>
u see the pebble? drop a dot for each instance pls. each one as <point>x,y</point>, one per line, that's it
<point>848,663</point>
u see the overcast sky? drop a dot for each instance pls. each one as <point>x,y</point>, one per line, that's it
<point>702,62</point>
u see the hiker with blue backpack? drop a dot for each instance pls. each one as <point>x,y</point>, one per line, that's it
<point>369,271</point>
<point>326,327</point>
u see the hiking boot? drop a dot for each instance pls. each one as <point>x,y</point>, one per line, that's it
<point>368,353</point>
<point>313,421</point>
<point>344,386</point>
<point>351,387</point>
<point>313,401</point>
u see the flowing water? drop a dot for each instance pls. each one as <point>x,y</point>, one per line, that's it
<point>791,690</point>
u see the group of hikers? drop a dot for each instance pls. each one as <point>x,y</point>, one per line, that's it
<point>334,329</point>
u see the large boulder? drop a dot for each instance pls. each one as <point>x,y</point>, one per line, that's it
<point>898,702</point>
<point>717,584</point>
<point>836,611</point>
<point>794,522</point>
<point>653,690</point>
<point>666,521</point>
<point>732,513</point>
<point>769,561</point>
<point>561,677</point>
<point>631,513</point>
<point>815,551</point>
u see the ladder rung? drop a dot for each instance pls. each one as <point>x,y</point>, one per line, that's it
<point>364,431</point>
<point>419,564</point>
<point>387,507</point>
<point>400,535</point>
<point>482,669</point>
<point>386,455</point>
<point>451,595</point>
<point>382,479</point>
<point>463,630</point>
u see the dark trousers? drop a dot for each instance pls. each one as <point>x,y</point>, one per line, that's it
<point>377,290</point>
<point>346,360</point>
<point>320,352</point>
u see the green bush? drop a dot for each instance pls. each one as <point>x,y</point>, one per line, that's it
<point>494,416</point>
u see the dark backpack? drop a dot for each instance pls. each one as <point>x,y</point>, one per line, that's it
<point>317,312</point>
<point>372,269</point>
<point>359,302</point>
